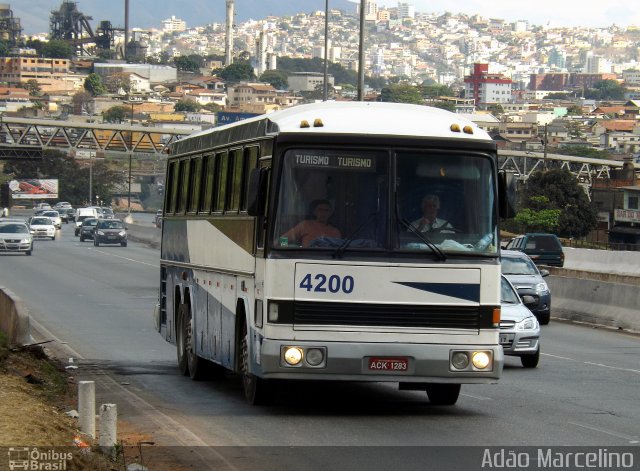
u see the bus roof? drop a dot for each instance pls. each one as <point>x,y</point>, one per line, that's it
<point>353,117</point>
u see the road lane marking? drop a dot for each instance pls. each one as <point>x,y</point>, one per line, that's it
<point>629,438</point>
<point>125,258</point>
<point>557,356</point>
<point>612,367</point>
<point>480,398</point>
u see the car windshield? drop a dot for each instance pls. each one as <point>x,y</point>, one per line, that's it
<point>51,214</point>
<point>343,200</point>
<point>90,222</point>
<point>41,222</point>
<point>518,266</point>
<point>14,229</point>
<point>507,293</point>
<point>110,225</point>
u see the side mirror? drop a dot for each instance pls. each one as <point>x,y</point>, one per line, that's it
<point>544,273</point>
<point>506,194</point>
<point>257,193</point>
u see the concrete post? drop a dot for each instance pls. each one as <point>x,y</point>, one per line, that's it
<point>87,407</point>
<point>108,426</point>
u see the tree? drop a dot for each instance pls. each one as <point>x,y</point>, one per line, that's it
<point>536,218</point>
<point>80,101</point>
<point>584,151</point>
<point>93,84</point>
<point>276,78</point>
<point>116,114</point>
<point>33,86</point>
<point>118,81</point>
<point>190,63</point>
<point>559,190</point>
<point>57,49</point>
<point>433,91</point>
<point>445,105</point>
<point>236,72</point>
<point>606,90</point>
<point>214,107</point>
<point>187,105</point>
<point>401,94</point>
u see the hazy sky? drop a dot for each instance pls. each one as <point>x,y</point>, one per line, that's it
<point>540,12</point>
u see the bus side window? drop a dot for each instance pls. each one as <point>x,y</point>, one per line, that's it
<point>222,170</point>
<point>251,155</point>
<point>195,178</point>
<point>184,186</point>
<point>235,180</point>
<point>172,191</point>
<point>206,193</point>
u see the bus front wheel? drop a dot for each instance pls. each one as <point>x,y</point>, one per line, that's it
<point>256,390</point>
<point>443,394</point>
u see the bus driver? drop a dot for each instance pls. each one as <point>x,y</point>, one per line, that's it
<point>429,221</point>
<point>309,230</point>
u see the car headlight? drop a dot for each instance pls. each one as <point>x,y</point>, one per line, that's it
<point>530,323</point>
<point>542,287</point>
<point>25,241</point>
<point>100,233</point>
<point>121,233</point>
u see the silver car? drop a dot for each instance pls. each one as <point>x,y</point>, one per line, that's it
<point>528,279</point>
<point>15,237</point>
<point>519,328</point>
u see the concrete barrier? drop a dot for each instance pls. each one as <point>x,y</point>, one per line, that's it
<point>146,234</point>
<point>603,261</point>
<point>595,298</point>
<point>14,318</point>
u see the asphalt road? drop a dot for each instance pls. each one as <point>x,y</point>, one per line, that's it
<point>99,301</point>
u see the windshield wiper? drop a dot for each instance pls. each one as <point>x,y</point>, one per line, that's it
<point>436,250</point>
<point>340,250</point>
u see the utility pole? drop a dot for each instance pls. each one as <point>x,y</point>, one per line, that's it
<point>363,6</point>
<point>326,52</point>
<point>544,143</point>
<point>130,157</point>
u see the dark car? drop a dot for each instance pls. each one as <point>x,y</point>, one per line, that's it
<point>110,231</point>
<point>67,214</point>
<point>88,228</point>
<point>527,279</point>
<point>544,249</point>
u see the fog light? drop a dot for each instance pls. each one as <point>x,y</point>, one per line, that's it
<point>460,360</point>
<point>481,360</point>
<point>293,355</point>
<point>315,356</point>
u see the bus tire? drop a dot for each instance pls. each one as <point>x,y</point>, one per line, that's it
<point>196,367</point>
<point>181,339</point>
<point>257,391</point>
<point>443,394</point>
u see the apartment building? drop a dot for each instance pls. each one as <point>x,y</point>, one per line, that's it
<point>486,88</point>
<point>17,70</point>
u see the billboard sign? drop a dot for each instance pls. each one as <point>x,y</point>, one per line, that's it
<point>34,189</point>
<point>228,117</point>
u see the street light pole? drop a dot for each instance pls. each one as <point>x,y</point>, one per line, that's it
<point>130,157</point>
<point>326,52</point>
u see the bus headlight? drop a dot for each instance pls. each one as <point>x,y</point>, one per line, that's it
<point>460,360</point>
<point>480,360</point>
<point>315,356</point>
<point>293,355</point>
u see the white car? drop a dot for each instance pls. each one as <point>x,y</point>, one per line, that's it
<point>42,227</point>
<point>15,237</point>
<point>519,328</point>
<point>55,217</point>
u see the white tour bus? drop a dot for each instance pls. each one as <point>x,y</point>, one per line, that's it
<point>295,246</point>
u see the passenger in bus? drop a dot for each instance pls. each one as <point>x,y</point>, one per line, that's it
<point>430,222</point>
<point>305,232</point>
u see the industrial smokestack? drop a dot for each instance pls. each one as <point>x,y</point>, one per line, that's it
<point>126,27</point>
<point>228,49</point>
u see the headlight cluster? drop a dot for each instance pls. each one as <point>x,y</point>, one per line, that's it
<point>530,323</point>
<point>121,233</point>
<point>25,241</point>
<point>100,233</point>
<point>542,287</point>
<point>471,361</point>
<point>310,357</point>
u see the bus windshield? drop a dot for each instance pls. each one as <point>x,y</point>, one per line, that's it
<point>341,200</point>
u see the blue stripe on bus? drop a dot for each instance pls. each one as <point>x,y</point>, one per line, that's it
<point>468,292</point>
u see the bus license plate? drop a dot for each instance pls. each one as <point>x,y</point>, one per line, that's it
<point>388,364</point>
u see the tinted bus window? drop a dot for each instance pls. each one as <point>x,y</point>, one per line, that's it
<point>251,155</point>
<point>184,186</point>
<point>206,194</point>
<point>172,187</point>
<point>235,183</point>
<point>195,178</point>
<point>222,170</point>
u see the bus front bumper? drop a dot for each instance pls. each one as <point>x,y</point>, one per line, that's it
<point>415,363</point>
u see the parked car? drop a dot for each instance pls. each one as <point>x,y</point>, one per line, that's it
<point>544,249</point>
<point>88,228</point>
<point>15,236</point>
<point>41,227</point>
<point>519,328</point>
<point>55,217</point>
<point>527,279</point>
<point>110,231</point>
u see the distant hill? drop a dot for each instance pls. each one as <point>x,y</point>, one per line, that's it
<point>34,14</point>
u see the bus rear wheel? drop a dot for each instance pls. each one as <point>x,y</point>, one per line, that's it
<point>256,390</point>
<point>188,362</point>
<point>443,394</point>
<point>181,339</point>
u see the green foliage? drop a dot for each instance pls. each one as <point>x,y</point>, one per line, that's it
<point>445,105</point>
<point>606,90</point>
<point>57,49</point>
<point>212,107</point>
<point>401,94</point>
<point>584,151</point>
<point>236,72</point>
<point>116,114</point>
<point>495,108</point>
<point>435,90</point>
<point>93,84</point>
<point>377,83</point>
<point>558,190</point>
<point>33,86</point>
<point>191,63</point>
<point>187,105</point>
<point>5,47</point>
<point>276,78</point>
<point>558,96</point>
<point>73,179</point>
